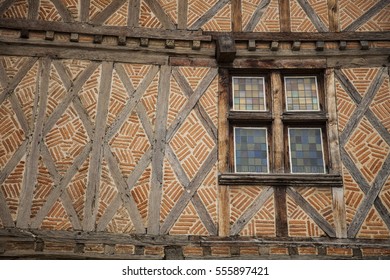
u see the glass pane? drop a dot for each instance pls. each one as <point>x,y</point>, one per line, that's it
<point>251,151</point>
<point>306,152</point>
<point>301,93</point>
<point>248,94</point>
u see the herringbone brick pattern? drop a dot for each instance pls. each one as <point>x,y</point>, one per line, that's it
<point>321,200</point>
<point>25,92</point>
<point>345,106</point>
<point>118,98</point>
<point>11,188</point>
<point>107,190</point>
<point>57,218</point>
<point>170,8</point>
<point>361,78</point>
<point>119,17</point>
<point>208,193</point>
<point>263,222</point>
<point>381,104</point>
<point>270,21</point>
<point>197,8</point>
<point>48,12</point>
<point>321,9</point>
<point>300,22</point>
<point>141,191</point>
<point>89,94</point>
<point>177,100</point>
<point>129,144</point>
<point>136,72</point>
<point>373,226</point>
<point>121,222</point>
<point>352,10</point>
<point>385,194</point>
<point>379,22</point>
<point>194,75</point>
<point>74,67</point>
<point>353,196</point>
<point>11,134</point>
<point>66,139</point>
<point>12,64</point>
<point>189,223</point>
<point>56,93</point>
<point>172,190</point>
<point>209,101</point>
<point>149,100</point>
<point>73,7</point>
<point>42,189</point>
<point>247,9</point>
<point>299,222</point>
<point>221,21</point>
<point>240,200</point>
<point>192,145</point>
<point>367,149</point>
<point>96,6</point>
<point>77,189</point>
<point>147,18</point>
<point>17,10</point>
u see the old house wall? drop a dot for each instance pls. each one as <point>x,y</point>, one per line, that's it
<point>109,135</point>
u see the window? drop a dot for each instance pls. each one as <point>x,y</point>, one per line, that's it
<point>277,127</point>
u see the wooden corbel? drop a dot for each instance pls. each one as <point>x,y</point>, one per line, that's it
<point>226,48</point>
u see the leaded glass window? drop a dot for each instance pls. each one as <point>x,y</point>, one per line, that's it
<point>306,150</point>
<point>249,94</point>
<point>251,150</point>
<point>301,93</point>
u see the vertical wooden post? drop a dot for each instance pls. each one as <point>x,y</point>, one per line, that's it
<point>95,164</point>
<point>223,153</point>
<point>333,12</point>
<point>133,13</point>
<point>236,16</point>
<point>278,153</point>
<point>159,151</point>
<point>84,10</point>
<point>182,14</point>
<point>284,14</point>
<point>31,169</point>
<point>335,159</point>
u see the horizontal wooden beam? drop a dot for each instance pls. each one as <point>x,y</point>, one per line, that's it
<point>250,116</point>
<point>85,28</point>
<point>307,36</point>
<point>31,235</point>
<point>282,180</point>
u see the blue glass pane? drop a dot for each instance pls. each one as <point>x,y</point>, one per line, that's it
<point>251,150</point>
<point>306,150</point>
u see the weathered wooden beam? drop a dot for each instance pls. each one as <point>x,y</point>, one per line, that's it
<point>33,9</point>
<point>251,45</point>
<point>251,211</point>
<point>49,35</point>
<point>296,46</point>
<point>284,14</point>
<point>254,20</point>
<point>225,49</point>
<point>62,10</point>
<point>133,13</point>
<point>94,171</point>
<point>364,45</point>
<point>84,10</point>
<point>338,203</point>
<point>236,15</point>
<point>182,14</point>
<point>122,41</point>
<point>274,46</point>
<point>159,151</point>
<point>107,12</point>
<point>250,116</point>
<point>160,14</point>
<point>196,45</point>
<point>367,15</point>
<point>31,169</point>
<point>320,45</point>
<point>74,37</point>
<point>333,14</point>
<point>209,14</point>
<point>342,45</point>
<point>89,29</point>
<point>282,180</point>
<point>315,19</point>
<point>306,36</point>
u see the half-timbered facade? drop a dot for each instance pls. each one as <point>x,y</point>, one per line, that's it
<point>120,129</point>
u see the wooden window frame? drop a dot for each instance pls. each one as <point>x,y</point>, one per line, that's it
<point>277,120</point>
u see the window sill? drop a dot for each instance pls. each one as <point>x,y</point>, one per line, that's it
<point>282,180</point>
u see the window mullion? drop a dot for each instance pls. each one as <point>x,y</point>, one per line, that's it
<point>277,125</point>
